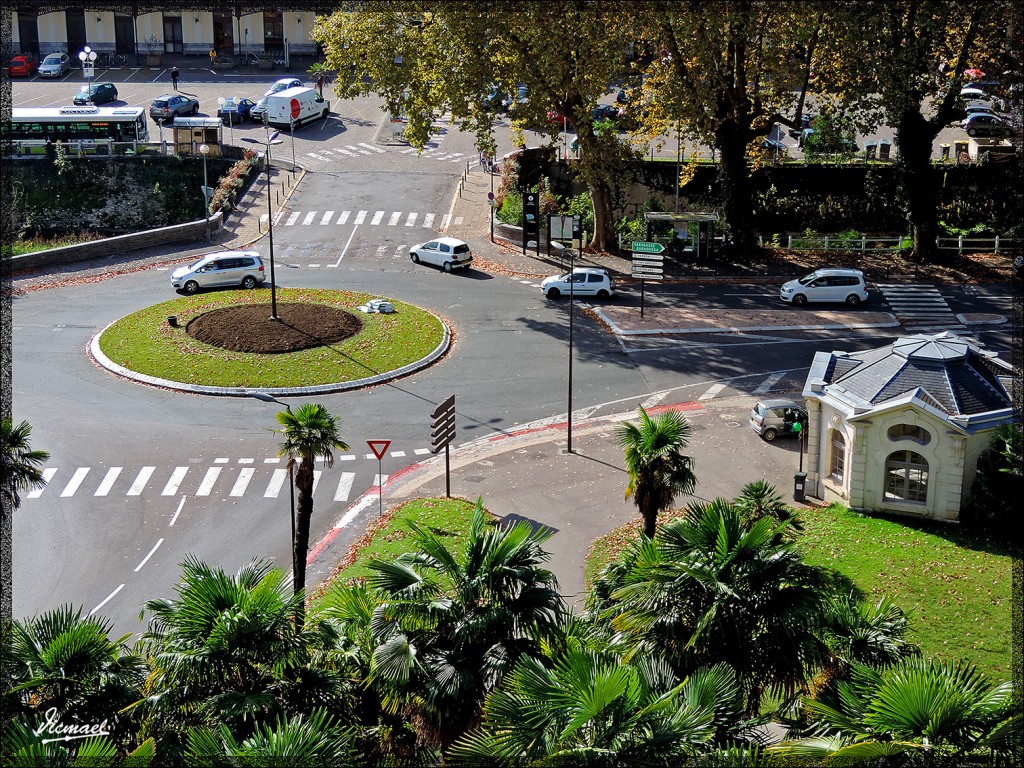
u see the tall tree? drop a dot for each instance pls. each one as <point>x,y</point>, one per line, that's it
<point>309,431</point>
<point>915,85</point>
<point>447,55</point>
<point>450,625</point>
<point>657,468</point>
<point>728,71</point>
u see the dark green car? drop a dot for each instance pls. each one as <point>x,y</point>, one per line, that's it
<point>96,93</point>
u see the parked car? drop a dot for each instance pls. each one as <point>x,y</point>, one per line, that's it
<point>584,281</point>
<point>772,418</point>
<point>258,111</point>
<point>235,110</point>
<point>172,105</point>
<point>55,65</point>
<point>23,64</point>
<point>283,85</point>
<point>445,252</point>
<point>604,112</point>
<point>96,93</point>
<point>775,146</point>
<point>985,124</point>
<point>805,123</point>
<point>222,269</point>
<point>826,285</point>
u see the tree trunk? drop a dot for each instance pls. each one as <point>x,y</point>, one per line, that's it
<point>604,225</point>
<point>734,183</point>
<point>303,516</point>
<point>914,137</point>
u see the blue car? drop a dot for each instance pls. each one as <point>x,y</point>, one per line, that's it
<point>235,110</point>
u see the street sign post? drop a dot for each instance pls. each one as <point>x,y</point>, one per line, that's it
<point>642,246</point>
<point>379,447</point>
<point>442,432</point>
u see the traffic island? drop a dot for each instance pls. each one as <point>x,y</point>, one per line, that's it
<point>225,343</point>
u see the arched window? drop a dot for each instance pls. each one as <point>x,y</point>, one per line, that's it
<point>837,456</point>
<point>906,477</point>
<point>919,435</point>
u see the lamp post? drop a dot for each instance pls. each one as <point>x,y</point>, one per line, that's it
<point>291,478</point>
<point>204,150</point>
<point>572,269</point>
<point>221,101</point>
<point>88,59</point>
<point>272,138</point>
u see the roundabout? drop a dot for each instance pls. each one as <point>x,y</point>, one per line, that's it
<point>225,343</point>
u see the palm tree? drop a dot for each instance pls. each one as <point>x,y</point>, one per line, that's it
<point>658,470</point>
<point>20,464</point>
<point>64,660</point>
<point>228,652</point>
<point>309,431</point>
<point>449,626</point>
<point>917,705</point>
<point>587,707</point>
<point>707,590</point>
<point>760,499</point>
<point>26,744</point>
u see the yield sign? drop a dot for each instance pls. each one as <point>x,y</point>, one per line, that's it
<point>378,447</point>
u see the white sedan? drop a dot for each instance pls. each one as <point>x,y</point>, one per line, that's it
<point>584,281</point>
<point>445,252</point>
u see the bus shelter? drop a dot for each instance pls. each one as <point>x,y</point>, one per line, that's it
<point>190,133</point>
<point>683,234</point>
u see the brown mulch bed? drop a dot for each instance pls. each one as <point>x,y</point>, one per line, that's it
<point>250,329</point>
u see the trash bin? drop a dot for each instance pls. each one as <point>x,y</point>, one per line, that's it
<point>799,482</point>
<point>884,147</point>
<point>869,150</point>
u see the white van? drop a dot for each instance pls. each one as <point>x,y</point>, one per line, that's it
<point>312,106</point>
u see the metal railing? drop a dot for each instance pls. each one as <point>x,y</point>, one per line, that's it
<point>872,244</point>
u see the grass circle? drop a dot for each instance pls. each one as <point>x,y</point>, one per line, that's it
<point>145,343</point>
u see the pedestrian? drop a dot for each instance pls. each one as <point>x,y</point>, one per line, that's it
<point>213,56</point>
<point>174,77</point>
<point>320,83</point>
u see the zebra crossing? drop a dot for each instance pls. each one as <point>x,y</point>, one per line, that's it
<point>920,308</point>
<point>220,480</point>
<point>378,218</point>
<point>362,150</point>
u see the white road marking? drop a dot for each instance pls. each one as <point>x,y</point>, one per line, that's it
<point>654,399</point>
<point>48,474</point>
<point>360,217</point>
<point>292,219</point>
<point>106,600</point>
<point>458,220</point>
<point>108,481</point>
<point>712,392</point>
<point>276,481</point>
<point>357,149</point>
<point>376,218</point>
<point>309,218</point>
<point>344,217</point>
<point>428,220</point>
<point>347,244</point>
<point>74,482</point>
<point>349,516</point>
<point>346,152</point>
<point>768,383</point>
<point>140,481</point>
<point>398,454</point>
<point>379,480</point>
<point>370,146</point>
<point>175,481</point>
<point>275,460</point>
<point>174,518</point>
<point>151,553</point>
<point>344,486</point>
<point>244,476</point>
<point>327,218</point>
<point>221,461</point>
<point>346,457</point>
<point>208,480</point>
<point>411,220</point>
<point>445,220</point>
<point>421,451</point>
<point>316,479</point>
<point>394,218</point>
<point>245,461</point>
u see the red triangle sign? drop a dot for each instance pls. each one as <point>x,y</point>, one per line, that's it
<point>378,447</point>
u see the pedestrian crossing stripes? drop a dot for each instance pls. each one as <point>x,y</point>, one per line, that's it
<point>372,218</point>
<point>212,481</point>
<point>919,307</point>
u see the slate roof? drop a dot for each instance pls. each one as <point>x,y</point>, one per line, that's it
<point>951,373</point>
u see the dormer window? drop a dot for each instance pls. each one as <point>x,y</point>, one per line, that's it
<point>910,432</point>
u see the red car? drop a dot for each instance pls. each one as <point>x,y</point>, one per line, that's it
<point>23,64</point>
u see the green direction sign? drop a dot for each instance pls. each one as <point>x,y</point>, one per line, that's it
<point>642,246</point>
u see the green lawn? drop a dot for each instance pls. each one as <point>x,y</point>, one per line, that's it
<point>145,343</point>
<point>955,584</point>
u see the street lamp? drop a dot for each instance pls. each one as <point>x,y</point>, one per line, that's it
<point>204,150</point>
<point>572,268</point>
<point>88,59</point>
<point>272,138</point>
<point>221,101</point>
<point>291,478</point>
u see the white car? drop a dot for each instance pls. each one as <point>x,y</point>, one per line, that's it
<point>826,285</point>
<point>445,252</point>
<point>55,65</point>
<point>224,269</point>
<point>584,281</point>
<point>283,85</point>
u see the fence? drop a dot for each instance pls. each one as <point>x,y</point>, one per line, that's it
<point>870,244</point>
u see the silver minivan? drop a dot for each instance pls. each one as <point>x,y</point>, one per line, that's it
<point>224,269</point>
<point>827,285</point>
<point>772,418</point>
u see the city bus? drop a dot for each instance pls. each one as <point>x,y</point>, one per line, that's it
<point>82,130</point>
